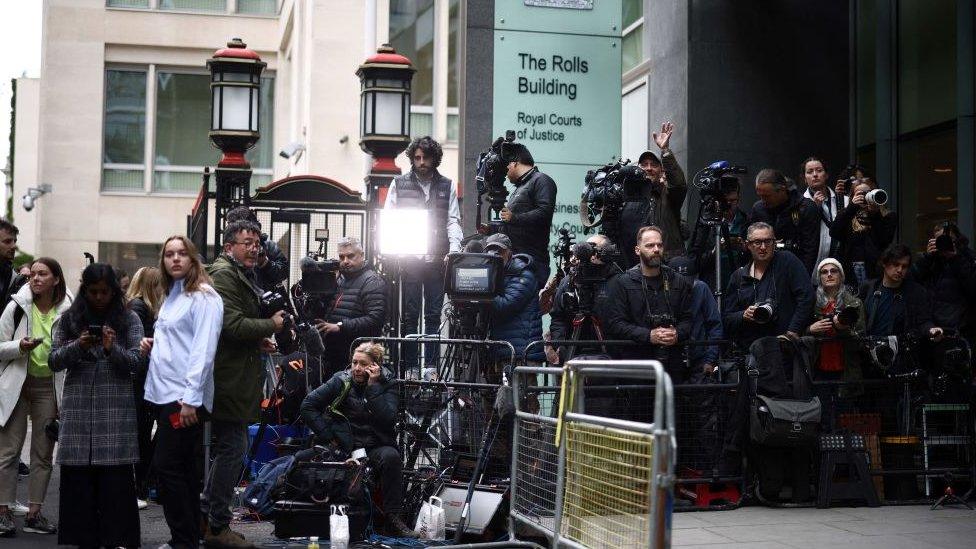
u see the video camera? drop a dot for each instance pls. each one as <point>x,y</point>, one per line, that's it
<point>471,282</point>
<point>491,175</point>
<point>713,183</point>
<point>606,190</point>
<point>584,275</point>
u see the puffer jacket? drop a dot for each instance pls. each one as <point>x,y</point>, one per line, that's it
<point>515,315</point>
<point>351,414</point>
<point>361,307</point>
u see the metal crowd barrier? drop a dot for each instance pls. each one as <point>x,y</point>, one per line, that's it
<point>583,480</point>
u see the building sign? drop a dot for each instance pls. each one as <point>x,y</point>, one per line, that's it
<point>557,84</point>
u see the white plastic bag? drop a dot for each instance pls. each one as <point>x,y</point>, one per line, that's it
<point>430,521</point>
<point>339,528</point>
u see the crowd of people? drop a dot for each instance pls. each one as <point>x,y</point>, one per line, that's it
<point>124,373</point>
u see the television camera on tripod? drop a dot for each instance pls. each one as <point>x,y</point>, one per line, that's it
<point>606,190</point>
<point>715,182</point>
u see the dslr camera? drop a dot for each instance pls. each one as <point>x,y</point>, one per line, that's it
<point>944,242</point>
<point>846,315</point>
<point>660,320</point>
<point>765,309</point>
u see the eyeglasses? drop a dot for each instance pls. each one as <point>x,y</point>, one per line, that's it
<point>762,243</point>
<point>249,243</point>
<point>830,271</point>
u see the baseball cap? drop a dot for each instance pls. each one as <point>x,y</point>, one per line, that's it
<point>648,154</point>
<point>498,240</point>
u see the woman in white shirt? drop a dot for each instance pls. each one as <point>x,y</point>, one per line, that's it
<point>180,382</point>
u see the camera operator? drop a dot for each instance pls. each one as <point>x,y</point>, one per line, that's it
<point>770,296</point>
<point>528,214</point>
<point>863,230</point>
<point>357,409</point>
<point>947,270</point>
<point>660,200</point>
<point>562,317</point>
<point>238,372</point>
<point>271,268</point>
<point>359,309</point>
<point>424,188</point>
<point>514,314</point>
<point>734,252</point>
<point>837,313</point>
<point>794,219</point>
<point>830,204</point>
<point>894,304</point>
<point>650,303</point>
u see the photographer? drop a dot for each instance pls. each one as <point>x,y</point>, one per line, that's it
<point>947,270</point>
<point>514,314</point>
<point>863,230</point>
<point>357,408</point>
<point>359,309</point>
<point>832,318</point>
<point>660,201</point>
<point>563,316</point>
<point>770,296</point>
<point>794,219</point>
<point>814,171</point>
<point>651,304</point>
<point>238,373</point>
<point>271,268</point>
<point>528,214</point>
<point>424,188</point>
<point>734,253</point>
<point>894,304</point>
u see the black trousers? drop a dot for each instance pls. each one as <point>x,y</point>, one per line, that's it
<point>98,506</point>
<point>389,475</point>
<point>176,465</point>
<point>145,415</point>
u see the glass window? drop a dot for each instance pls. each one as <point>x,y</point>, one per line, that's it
<point>128,256</point>
<point>125,129</point>
<point>453,127</point>
<point>257,7</point>
<point>127,3</point>
<point>262,154</point>
<point>633,52</point>
<point>866,79</point>
<point>927,181</point>
<point>412,34</point>
<point>926,63</point>
<point>193,5</point>
<point>183,120</point>
<point>633,10</point>
<point>421,124</point>
<point>452,56</point>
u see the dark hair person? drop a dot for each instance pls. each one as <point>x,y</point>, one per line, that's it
<point>28,387</point>
<point>97,345</point>
<point>180,382</point>
<point>862,231</point>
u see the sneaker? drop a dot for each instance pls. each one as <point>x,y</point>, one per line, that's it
<point>39,525</point>
<point>227,538</point>
<point>7,526</point>
<point>141,504</point>
<point>23,470</point>
<point>19,509</point>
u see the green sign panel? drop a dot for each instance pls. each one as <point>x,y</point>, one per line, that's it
<point>557,83</point>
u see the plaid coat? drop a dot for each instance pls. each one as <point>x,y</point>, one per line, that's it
<point>98,415</point>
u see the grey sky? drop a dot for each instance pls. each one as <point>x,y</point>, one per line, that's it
<point>20,42</point>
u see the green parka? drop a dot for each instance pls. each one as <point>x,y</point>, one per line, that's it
<point>238,372</point>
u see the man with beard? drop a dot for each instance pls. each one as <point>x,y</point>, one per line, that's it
<point>10,281</point>
<point>528,213</point>
<point>359,309</point>
<point>651,304</point>
<point>424,188</point>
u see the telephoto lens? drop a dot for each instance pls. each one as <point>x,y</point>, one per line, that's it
<point>878,197</point>
<point>764,312</point>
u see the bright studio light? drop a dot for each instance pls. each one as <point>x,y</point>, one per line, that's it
<point>403,232</point>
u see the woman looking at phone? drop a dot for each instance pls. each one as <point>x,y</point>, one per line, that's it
<point>28,387</point>
<point>97,344</point>
<point>180,382</point>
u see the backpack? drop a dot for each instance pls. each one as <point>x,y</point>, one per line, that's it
<point>260,495</point>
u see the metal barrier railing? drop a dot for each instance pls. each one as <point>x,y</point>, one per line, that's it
<point>612,479</point>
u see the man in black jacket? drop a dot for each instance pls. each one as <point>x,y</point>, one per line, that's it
<point>357,409</point>
<point>896,305</point>
<point>272,266</point>
<point>527,215</point>
<point>775,279</point>
<point>795,220</point>
<point>10,280</point>
<point>651,304</point>
<point>947,270</point>
<point>661,198</point>
<point>359,309</point>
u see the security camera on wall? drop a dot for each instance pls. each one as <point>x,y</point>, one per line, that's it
<point>29,200</point>
<point>293,149</point>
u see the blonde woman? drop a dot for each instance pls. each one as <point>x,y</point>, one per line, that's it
<point>180,382</point>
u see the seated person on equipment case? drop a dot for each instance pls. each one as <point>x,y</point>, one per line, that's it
<point>356,409</point>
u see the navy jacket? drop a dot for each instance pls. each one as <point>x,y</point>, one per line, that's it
<point>706,323</point>
<point>515,315</point>
<point>913,305</point>
<point>787,282</point>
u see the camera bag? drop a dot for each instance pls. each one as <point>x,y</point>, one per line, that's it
<point>779,419</point>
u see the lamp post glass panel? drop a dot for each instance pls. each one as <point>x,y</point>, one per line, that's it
<point>235,87</point>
